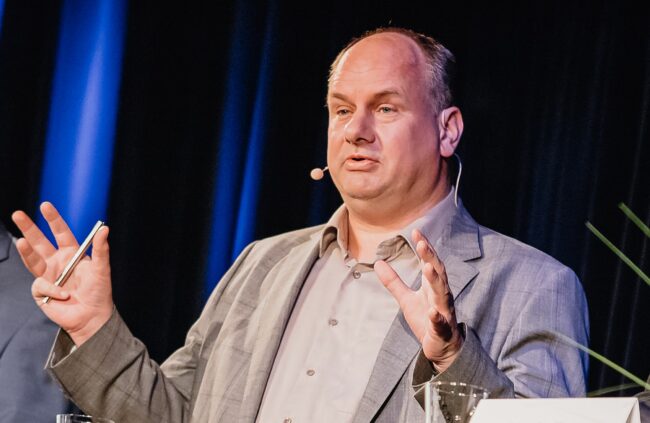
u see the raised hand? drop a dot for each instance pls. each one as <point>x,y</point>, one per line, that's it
<point>85,302</point>
<point>429,310</point>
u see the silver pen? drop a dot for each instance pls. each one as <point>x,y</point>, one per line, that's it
<point>67,270</point>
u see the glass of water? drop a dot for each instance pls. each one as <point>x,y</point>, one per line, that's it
<point>451,402</point>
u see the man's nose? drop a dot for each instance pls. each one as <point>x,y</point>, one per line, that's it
<point>360,128</point>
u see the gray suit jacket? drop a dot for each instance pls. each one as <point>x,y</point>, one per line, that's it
<point>508,294</point>
<point>27,393</point>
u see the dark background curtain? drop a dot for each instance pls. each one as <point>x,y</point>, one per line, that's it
<point>221,116</point>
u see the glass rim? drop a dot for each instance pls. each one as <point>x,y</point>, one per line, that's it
<point>479,390</point>
<point>91,419</point>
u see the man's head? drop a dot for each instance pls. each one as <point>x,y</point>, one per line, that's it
<point>391,125</point>
<point>439,63</point>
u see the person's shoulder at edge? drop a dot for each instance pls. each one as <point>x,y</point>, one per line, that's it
<point>500,248</point>
<point>15,282</point>
<point>25,339</point>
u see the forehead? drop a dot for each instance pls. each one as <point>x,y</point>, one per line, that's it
<point>381,59</point>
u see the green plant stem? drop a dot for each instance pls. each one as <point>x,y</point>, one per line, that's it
<point>610,389</point>
<point>603,360</point>
<point>634,218</point>
<point>618,252</point>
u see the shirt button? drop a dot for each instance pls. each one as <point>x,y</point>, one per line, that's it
<point>311,372</point>
<point>356,274</point>
<point>333,322</point>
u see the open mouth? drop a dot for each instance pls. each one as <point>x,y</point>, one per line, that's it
<point>360,158</point>
<point>359,162</point>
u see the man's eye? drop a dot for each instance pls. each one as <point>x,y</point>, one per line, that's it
<point>343,112</point>
<point>386,109</point>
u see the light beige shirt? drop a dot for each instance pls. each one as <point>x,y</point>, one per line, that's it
<point>340,320</point>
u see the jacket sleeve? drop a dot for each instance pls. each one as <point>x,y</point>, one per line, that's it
<point>112,376</point>
<point>533,361</point>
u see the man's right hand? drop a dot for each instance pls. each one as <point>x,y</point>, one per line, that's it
<point>84,303</point>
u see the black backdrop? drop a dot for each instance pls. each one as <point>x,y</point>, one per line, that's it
<point>555,97</point>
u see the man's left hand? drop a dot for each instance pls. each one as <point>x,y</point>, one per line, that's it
<point>429,310</point>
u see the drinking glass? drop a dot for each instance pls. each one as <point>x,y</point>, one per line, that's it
<point>451,402</point>
<point>79,418</point>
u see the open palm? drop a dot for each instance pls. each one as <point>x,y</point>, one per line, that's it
<point>85,303</point>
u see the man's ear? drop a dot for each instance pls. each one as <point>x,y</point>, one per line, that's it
<point>450,128</point>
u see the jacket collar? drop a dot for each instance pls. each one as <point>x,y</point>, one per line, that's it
<point>431,224</point>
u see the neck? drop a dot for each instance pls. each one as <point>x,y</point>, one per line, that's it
<point>363,239</point>
<point>368,226</point>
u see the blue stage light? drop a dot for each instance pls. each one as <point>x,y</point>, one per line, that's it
<point>81,128</point>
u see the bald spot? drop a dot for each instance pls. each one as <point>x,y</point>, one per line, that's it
<point>389,48</point>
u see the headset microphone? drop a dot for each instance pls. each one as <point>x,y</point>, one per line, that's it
<point>317,173</point>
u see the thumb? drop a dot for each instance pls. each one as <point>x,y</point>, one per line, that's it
<point>392,281</point>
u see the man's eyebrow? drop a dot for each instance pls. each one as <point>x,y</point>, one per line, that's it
<point>387,93</point>
<point>376,96</point>
<point>338,96</point>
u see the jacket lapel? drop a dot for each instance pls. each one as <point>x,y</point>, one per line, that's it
<point>273,318</point>
<point>396,353</point>
<point>457,245</point>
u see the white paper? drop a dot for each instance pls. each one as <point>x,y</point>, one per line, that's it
<point>558,410</point>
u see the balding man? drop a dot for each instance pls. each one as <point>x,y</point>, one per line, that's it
<point>339,322</point>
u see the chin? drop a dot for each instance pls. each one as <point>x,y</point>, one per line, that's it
<point>364,194</point>
<point>360,197</point>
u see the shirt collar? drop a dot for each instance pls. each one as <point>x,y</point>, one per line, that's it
<point>431,224</point>
<point>336,229</point>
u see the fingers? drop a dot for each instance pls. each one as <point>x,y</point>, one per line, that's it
<point>42,288</point>
<point>100,256</point>
<point>434,273</point>
<point>392,281</point>
<point>33,234</point>
<point>429,275</point>
<point>441,326</point>
<point>426,252</point>
<point>441,296</point>
<point>34,263</point>
<point>60,229</point>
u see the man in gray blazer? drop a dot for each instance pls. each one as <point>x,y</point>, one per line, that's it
<point>27,393</point>
<point>339,322</point>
